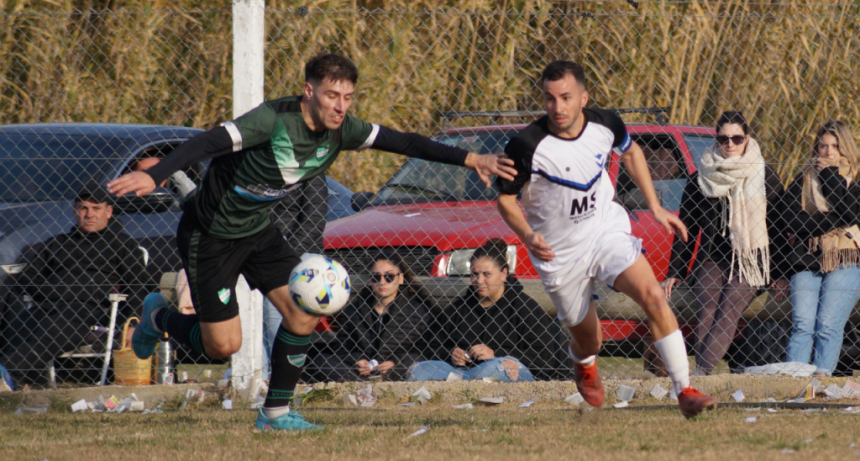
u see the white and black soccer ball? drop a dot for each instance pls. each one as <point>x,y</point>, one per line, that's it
<point>319,286</point>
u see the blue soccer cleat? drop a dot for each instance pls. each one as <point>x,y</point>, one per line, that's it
<point>146,337</point>
<point>291,421</point>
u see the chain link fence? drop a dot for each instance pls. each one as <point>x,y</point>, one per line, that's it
<point>470,78</point>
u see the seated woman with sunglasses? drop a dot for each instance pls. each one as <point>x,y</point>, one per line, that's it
<point>824,252</point>
<point>732,200</point>
<point>494,330</point>
<point>381,329</point>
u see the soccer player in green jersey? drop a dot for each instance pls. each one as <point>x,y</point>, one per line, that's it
<point>226,230</point>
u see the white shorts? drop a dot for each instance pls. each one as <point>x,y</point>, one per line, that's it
<point>606,257</point>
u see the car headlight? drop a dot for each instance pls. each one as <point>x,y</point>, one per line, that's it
<point>13,269</point>
<point>459,264</point>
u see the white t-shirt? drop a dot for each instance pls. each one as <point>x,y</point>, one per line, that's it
<point>567,194</point>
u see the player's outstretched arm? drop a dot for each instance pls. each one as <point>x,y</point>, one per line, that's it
<point>206,145</point>
<point>637,167</point>
<point>513,216</point>
<point>417,146</point>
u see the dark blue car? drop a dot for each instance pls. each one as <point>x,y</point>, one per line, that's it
<point>42,166</point>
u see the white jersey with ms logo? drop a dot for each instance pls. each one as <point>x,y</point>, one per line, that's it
<point>567,194</point>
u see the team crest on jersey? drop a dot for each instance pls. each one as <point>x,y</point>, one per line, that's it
<point>224,295</point>
<point>322,152</point>
<point>297,360</point>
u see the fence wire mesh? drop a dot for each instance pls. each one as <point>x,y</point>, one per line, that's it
<point>129,85</point>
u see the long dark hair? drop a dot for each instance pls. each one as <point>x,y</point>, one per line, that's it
<point>496,250</point>
<point>413,288</point>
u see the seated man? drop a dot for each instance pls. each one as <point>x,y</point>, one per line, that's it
<point>68,279</point>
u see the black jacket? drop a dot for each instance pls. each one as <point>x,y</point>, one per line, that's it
<point>799,226</point>
<point>515,326</point>
<point>82,268</point>
<point>702,214</point>
<point>396,336</point>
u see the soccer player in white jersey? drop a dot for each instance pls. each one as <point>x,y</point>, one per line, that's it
<point>576,234</point>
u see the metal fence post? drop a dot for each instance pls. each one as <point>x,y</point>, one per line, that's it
<point>248,67</point>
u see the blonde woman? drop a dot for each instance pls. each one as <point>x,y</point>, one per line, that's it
<point>824,252</point>
<point>731,201</point>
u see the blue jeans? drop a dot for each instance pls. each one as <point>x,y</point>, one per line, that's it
<point>271,321</point>
<point>821,305</point>
<point>436,370</point>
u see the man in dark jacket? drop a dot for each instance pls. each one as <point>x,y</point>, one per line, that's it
<point>66,284</point>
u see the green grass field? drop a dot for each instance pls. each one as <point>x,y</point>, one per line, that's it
<point>482,433</point>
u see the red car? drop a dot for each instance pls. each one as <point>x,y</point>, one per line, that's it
<point>435,216</point>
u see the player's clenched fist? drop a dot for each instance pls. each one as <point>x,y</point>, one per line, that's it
<point>138,182</point>
<point>538,247</point>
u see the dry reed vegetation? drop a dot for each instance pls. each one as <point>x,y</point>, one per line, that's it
<point>788,67</point>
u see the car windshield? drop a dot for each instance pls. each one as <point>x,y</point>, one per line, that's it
<point>698,144</point>
<point>50,166</point>
<point>422,181</point>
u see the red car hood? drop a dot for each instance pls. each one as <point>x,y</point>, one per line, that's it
<point>445,225</point>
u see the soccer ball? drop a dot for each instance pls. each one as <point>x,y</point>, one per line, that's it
<point>319,286</point>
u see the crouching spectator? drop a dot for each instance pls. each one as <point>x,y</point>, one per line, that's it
<point>493,331</point>
<point>381,330</point>
<point>68,280</point>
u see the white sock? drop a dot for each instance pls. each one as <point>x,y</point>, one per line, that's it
<point>152,319</point>
<point>674,353</point>
<point>276,412</point>
<point>584,362</point>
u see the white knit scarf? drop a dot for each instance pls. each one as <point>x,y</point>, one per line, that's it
<point>741,181</point>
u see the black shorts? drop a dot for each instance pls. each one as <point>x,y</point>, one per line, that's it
<point>213,266</point>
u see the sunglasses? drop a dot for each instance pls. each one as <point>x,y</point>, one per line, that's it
<point>736,139</point>
<point>388,276</point>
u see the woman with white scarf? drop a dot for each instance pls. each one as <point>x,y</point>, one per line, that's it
<point>825,248</point>
<point>730,200</point>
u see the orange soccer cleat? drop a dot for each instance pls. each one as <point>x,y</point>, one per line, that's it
<point>588,383</point>
<point>693,402</point>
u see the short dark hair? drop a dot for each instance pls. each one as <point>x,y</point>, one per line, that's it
<point>559,69</point>
<point>734,117</point>
<point>332,66</point>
